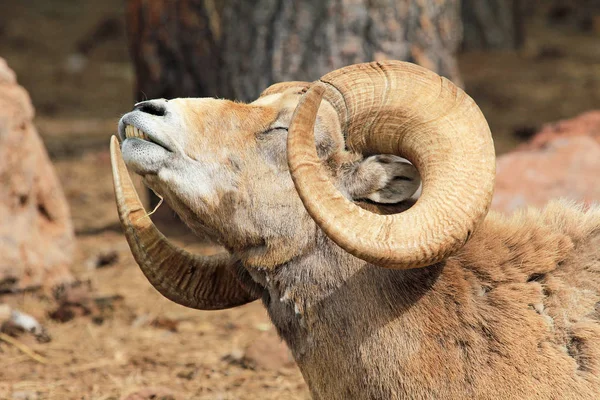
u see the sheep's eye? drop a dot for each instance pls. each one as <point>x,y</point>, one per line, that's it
<point>272,130</point>
<point>276,128</point>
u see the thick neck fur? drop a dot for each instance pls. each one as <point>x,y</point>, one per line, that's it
<point>513,315</point>
<point>312,302</point>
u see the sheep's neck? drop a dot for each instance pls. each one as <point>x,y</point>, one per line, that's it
<point>319,300</point>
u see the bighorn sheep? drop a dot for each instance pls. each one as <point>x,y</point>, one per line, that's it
<point>436,302</point>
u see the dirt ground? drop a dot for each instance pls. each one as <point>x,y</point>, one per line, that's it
<point>72,57</point>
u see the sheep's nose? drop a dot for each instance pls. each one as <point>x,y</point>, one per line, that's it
<point>153,107</point>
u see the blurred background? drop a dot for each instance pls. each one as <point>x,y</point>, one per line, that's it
<point>78,319</point>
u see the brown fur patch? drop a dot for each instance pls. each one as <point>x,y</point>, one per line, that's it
<point>513,315</point>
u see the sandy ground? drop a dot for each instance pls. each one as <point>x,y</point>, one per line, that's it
<point>132,338</point>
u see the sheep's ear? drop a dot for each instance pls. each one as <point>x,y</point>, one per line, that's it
<point>383,178</point>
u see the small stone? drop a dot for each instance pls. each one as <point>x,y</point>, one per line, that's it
<point>25,395</point>
<point>76,63</point>
<point>151,393</point>
<point>103,260</point>
<point>263,327</point>
<point>5,312</point>
<point>188,373</point>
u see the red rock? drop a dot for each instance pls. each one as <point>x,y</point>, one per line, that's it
<point>36,234</point>
<point>586,124</point>
<point>561,161</point>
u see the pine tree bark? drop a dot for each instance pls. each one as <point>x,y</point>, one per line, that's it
<point>236,48</point>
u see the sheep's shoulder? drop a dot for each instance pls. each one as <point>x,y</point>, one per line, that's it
<point>560,240</point>
<point>536,279</point>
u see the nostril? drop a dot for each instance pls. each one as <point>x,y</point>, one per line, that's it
<point>153,108</point>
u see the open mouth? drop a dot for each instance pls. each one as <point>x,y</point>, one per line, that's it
<point>133,132</point>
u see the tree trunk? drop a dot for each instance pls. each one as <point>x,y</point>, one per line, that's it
<point>492,24</point>
<point>237,48</point>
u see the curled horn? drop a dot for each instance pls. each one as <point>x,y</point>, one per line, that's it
<point>202,282</point>
<point>398,108</point>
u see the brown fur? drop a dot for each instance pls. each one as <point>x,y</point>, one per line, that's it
<point>513,315</point>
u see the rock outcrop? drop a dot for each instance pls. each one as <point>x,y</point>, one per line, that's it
<point>36,233</point>
<point>560,161</point>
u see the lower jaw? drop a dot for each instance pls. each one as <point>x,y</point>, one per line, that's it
<point>143,158</point>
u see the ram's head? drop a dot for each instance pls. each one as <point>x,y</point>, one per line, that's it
<point>263,178</point>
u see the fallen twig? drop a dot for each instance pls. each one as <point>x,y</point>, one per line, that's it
<point>92,365</point>
<point>24,349</point>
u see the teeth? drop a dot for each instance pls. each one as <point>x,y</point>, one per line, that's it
<point>133,132</point>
